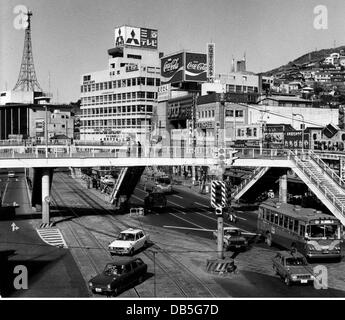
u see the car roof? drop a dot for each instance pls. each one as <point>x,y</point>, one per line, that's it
<point>131,230</point>
<point>123,260</point>
<point>289,254</point>
<point>231,228</point>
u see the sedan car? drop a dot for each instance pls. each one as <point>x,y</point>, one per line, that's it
<point>11,174</point>
<point>119,275</point>
<point>292,267</point>
<point>128,242</point>
<point>155,200</point>
<point>233,239</point>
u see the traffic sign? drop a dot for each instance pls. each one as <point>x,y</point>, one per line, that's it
<point>218,194</point>
<point>47,199</point>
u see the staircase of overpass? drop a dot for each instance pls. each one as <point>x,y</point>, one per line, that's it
<point>125,184</point>
<point>248,182</point>
<point>322,181</point>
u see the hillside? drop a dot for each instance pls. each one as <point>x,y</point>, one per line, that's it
<point>310,57</point>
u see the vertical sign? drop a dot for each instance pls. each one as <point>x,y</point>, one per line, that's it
<point>210,61</point>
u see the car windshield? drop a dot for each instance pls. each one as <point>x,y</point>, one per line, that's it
<point>126,236</point>
<point>232,233</point>
<point>323,231</point>
<point>113,270</point>
<point>295,262</point>
<point>163,180</point>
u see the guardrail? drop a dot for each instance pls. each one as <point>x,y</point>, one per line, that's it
<point>327,169</point>
<point>327,193</point>
<point>246,181</point>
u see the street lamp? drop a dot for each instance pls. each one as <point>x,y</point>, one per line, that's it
<point>301,115</point>
<point>46,129</point>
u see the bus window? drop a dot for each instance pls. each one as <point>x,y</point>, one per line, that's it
<point>276,218</point>
<point>291,224</point>
<point>301,230</point>
<point>286,219</point>
<point>295,226</point>
<point>272,217</point>
<point>281,217</point>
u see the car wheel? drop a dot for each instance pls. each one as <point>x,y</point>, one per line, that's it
<point>287,281</point>
<point>146,244</point>
<point>269,240</point>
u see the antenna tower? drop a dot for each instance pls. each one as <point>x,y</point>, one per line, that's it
<point>27,80</point>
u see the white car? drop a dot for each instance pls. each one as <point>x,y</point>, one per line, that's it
<point>128,242</point>
<point>11,174</point>
<point>163,184</point>
<point>108,179</point>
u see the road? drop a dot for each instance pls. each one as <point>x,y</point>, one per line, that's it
<point>256,278</point>
<point>52,272</point>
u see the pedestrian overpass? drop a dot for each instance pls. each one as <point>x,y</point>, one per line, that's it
<point>312,170</point>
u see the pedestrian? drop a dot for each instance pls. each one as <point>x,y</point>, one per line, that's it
<point>139,149</point>
<point>128,153</point>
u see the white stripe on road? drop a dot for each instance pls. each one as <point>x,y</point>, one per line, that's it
<point>175,195</point>
<point>179,211</point>
<point>134,196</point>
<point>186,220</point>
<point>3,195</point>
<point>175,204</point>
<point>203,205</point>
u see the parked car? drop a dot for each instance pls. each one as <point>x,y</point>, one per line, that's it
<point>292,267</point>
<point>129,241</point>
<point>11,174</point>
<point>155,200</point>
<point>233,239</point>
<point>119,275</point>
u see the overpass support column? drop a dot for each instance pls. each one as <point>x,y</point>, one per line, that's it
<point>283,187</point>
<point>45,195</point>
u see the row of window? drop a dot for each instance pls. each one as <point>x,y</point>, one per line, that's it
<point>238,113</point>
<point>284,221</point>
<point>206,114</point>
<point>137,109</point>
<point>123,83</point>
<point>234,88</point>
<point>119,97</point>
<point>247,132</point>
<point>114,122</point>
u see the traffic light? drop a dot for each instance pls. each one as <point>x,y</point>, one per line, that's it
<point>218,194</point>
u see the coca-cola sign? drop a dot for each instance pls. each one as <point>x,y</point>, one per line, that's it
<point>172,68</point>
<point>196,67</point>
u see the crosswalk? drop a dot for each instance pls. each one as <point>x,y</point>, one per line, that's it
<point>52,236</point>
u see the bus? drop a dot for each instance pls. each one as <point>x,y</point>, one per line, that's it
<point>311,232</point>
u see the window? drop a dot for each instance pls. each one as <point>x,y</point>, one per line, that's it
<point>150,95</point>
<point>302,230</point>
<point>128,82</point>
<point>212,113</point>
<point>150,81</point>
<point>281,218</point>
<point>286,219</point>
<point>239,114</point>
<point>134,82</point>
<point>291,224</point>
<point>276,218</point>
<point>158,82</point>
<point>295,226</point>
<point>229,113</point>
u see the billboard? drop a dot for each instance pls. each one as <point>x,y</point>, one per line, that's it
<point>211,61</point>
<point>136,37</point>
<point>293,140</point>
<point>164,92</point>
<point>172,68</point>
<point>196,67</point>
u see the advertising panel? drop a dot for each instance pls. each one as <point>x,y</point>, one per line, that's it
<point>211,61</point>
<point>172,68</point>
<point>164,92</point>
<point>149,38</point>
<point>274,137</point>
<point>136,37</point>
<point>293,140</point>
<point>196,67</point>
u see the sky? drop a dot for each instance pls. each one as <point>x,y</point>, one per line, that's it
<point>71,37</point>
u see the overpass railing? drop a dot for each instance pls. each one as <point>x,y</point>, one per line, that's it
<point>316,181</point>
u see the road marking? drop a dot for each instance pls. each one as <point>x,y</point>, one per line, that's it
<point>203,205</point>
<point>186,220</point>
<point>52,237</point>
<point>175,195</point>
<point>3,195</point>
<point>177,204</point>
<point>179,211</point>
<point>186,228</point>
<point>134,196</point>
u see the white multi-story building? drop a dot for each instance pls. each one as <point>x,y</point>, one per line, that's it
<point>118,102</point>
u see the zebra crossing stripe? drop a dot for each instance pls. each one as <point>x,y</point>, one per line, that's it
<point>52,237</point>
